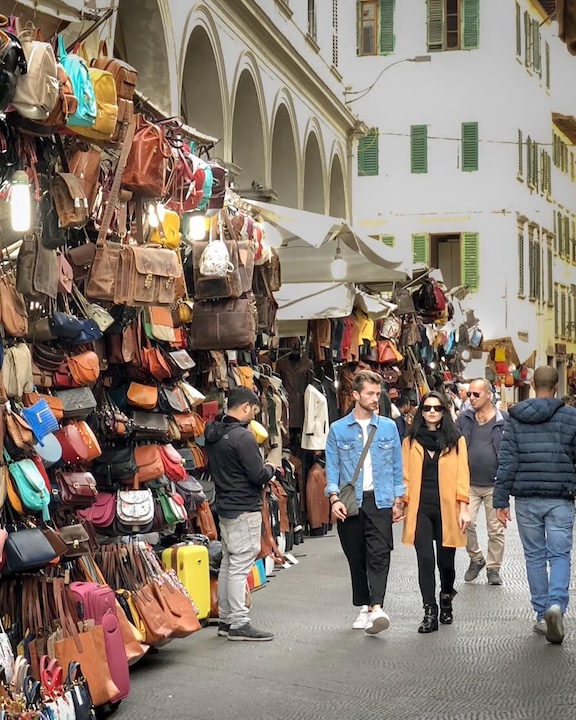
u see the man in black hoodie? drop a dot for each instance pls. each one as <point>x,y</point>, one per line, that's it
<point>239,474</point>
<point>536,464</point>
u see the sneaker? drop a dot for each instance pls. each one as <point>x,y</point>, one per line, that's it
<point>554,625</point>
<point>540,627</point>
<point>362,619</point>
<point>377,622</point>
<point>223,629</point>
<point>249,633</point>
<point>474,569</point>
<point>494,577</point>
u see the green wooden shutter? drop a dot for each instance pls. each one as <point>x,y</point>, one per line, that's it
<point>368,154</point>
<point>531,261</point>
<point>536,57</point>
<point>387,26</point>
<point>420,249</point>
<point>547,60</point>
<point>527,39</point>
<point>520,261</point>
<point>470,24</point>
<point>520,155</point>
<point>560,234</point>
<point>550,281</point>
<point>535,164</point>
<point>389,240</point>
<point>470,147</point>
<point>419,148</point>
<point>470,261</point>
<point>435,25</point>
<point>518,31</point>
<point>537,269</point>
<point>358,28</point>
<point>556,312</point>
<point>529,160</point>
<point>567,248</point>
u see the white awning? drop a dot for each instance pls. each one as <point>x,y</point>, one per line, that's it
<point>310,242</point>
<point>67,10</point>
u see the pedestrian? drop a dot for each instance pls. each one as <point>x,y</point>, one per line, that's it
<point>403,419</point>
<point>363,448</point>
<point>536,465</point>
<point>239,475</point>
<point>463,399</point>
<point>437,481</point>
<point>482,426</point>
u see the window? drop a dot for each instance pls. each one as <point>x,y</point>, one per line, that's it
<point>536,48</point>
<point>520,155</point>
<point>419,149</point>
<point>312,18</point>
<point>389,240</point>
<point>420,249</point>
<point>546,174</point>
<point>453,24</point>
<point>563,315</point>
<point>375,27</point>
<point>518,31</point>
<point>471,261</point>
<point>368,154</point>
<point>560,233</point>
<point>527,39</point>
<point>532,163</point>
<point>335,33</point>
<point>534,264</point>
<point>556,317</point>
<point>560,153</point>
<point>547,63</point>
<point>550,269</point>
<point>470,147</point>
<point>520,260</point>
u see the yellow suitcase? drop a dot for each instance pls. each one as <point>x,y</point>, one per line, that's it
<point>192,567</point>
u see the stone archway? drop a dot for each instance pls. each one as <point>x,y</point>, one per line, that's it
<point>248,151</point>
<point>140,20</point>
<point>337,191</point>
<point>313,177</point>
<point>201,88</point>
<point>284,159</point>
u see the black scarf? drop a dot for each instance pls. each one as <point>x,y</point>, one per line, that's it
<point>429,439</point>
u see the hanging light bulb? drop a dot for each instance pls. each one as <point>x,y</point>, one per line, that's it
<point>196,227</point>
<point>339,266</point>
<point>152,216</point>
<point>20,202</point>
<point>466,355</point>
<point>272,237</point>
<point>161,211</point>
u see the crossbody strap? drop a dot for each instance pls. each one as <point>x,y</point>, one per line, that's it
<point>371,434</point>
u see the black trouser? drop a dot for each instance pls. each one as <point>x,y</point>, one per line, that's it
<point>428,529</point>
<point>367,542</point>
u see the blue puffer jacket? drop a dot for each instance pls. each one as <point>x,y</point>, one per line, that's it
<point>538,452</point>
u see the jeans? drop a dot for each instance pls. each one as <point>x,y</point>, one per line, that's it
<point>545,528</point>
<point>241,539</point>
<point>479,496</point>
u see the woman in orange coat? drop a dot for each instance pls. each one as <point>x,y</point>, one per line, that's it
<point>437,478</point>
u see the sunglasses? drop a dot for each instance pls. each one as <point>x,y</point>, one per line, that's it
<point>475,394</point>
<point>432,408</point>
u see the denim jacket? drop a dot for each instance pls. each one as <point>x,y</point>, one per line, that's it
<point>344,447</point>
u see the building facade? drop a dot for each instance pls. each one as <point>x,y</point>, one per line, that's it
<point>469,164</point>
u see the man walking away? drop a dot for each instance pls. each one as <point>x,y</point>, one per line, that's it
<point>239,474</point>
<point>536,465</point>
<point>366,538</point>
<point>482,426</point>
<point>403,406</point>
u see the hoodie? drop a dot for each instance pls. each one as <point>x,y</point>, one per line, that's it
<point>236,467</point>
<point>538,452</point>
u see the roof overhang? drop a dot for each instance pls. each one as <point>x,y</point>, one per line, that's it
<point>567,124</point>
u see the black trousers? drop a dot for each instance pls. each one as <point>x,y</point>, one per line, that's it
<point>428,530</point>
<point>367,542</point>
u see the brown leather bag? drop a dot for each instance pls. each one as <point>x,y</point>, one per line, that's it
<point>205,521</point>
<point>86,167</point>
<point>84,368</point>
<point>146,275</point>
<point>81,258</point>
<point>149,461</point>
<point>125,76</point>
<point>224,324</point>
<point>54,403</point>
<point>150,162</point>
<point>190,425</point>
<point>175,603</point>
<point>12,308</point>
<point>67,102</point>
<point>77,489</point>
<point>94,449</point>
<point>70,200</point>
<point>143,396</point>
<point>125,115</point>
<point>214,287</point>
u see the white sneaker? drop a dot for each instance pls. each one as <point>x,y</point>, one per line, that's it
<point>362,619</point>
<point>377,622</point>
<point>540,627</point>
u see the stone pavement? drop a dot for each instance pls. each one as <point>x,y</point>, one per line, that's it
<point>488,665</point>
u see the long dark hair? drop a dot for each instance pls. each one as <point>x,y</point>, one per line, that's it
<point>448,433</point>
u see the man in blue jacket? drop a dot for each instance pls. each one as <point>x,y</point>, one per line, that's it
<point>536,465</point>
<point>366,538</point>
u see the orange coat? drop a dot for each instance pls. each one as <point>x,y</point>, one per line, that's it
<point>453,483</point>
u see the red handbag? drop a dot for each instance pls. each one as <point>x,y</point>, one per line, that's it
<point>74,447</point>
<point>209,410</point>
<point>173,463</point>
<point>102,513</point>
<point>77,489</point>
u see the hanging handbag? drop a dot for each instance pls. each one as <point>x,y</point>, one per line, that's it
<point>93,311</point>
<point>190,425</point>
<point>90,332</point>
<point>41,419</point>
<point>159,324</point>
<point>54,403</point>
<point>30,484</point>
<point>78,691</point>
<point>64,325</point>
<point>17,370</point>
<point>135,508</point>
<point>90,440</point>
<point>74,448</point>
<point>173,463</point>
<point>27,551</point>
<point>172,400</point>
<point>146,275</point>
<point>102,512</point>
<point>149,426</point>
<point>116,464</point>
<point>224,325</point>
<point>143,396</point>
<point>84,368</point>
<point>65,275</point>
<point>77,489</point>
<point>149,461</point>
<point>12,308</point>
<point>76,539</point>
<point>347,494</point>
<point>205,521</point>
<point>150,161</point>
<point>18,429</point>
<point>36,271</point>
<point>77,402</point>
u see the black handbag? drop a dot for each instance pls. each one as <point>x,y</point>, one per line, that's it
<point>77,689</point>
<point>115,465</point>
<point>27,550</point>
<point>47,357</point>
<point>78,402</point>
<point>153,426</point>
<point>171,401</point>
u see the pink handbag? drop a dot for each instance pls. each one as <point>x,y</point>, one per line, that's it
<point>102,513</point>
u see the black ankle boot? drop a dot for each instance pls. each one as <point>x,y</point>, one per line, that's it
<point>446,616</point>
<point>430,622</point>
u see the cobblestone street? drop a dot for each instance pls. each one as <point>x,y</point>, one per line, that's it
<point>489,664</point>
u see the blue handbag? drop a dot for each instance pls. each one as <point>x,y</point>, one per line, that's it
<point>30,485</point>
<point>64,325</point>
<point>41,419</point>
<point>90,333</point>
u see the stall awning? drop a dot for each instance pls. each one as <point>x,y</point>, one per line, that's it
<point>310,241</point>
<point>66,10</point>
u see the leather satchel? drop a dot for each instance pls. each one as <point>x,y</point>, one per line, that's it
<point>146,275</point>
<point>125,76</point>
<point>76,539</point>
<point>77,489</point>
<point>86,167</point>
<point>80,258</point>
<point>347,494</point>
<point>27,550</point>
<point>12,308</point>
<point>85,368</point>
<point>149,461</point>
<point>116,464</point>
<point>77,402</point>
<point>143,396</point>
<point>150,161</point>
<point>135,508</point>
<point>153,426</point>
<point>172,400</point>
<point>224,325</point>
<point>102,513</point>
<point>213,287</point>
<point>190,425</point>
<point>36,271</point>
<point>70,200</point>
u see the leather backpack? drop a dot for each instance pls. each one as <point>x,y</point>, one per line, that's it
<point>36,92</point>
<point>86,167</point>
<point>150,162</point>
<point>125,76</point>
<point>70,200</point>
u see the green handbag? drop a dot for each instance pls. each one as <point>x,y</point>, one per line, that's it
<point>172,508</point>
<point>30,484</point>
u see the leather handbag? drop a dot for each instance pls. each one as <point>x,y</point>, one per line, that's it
<point>77,402</point>
<point>70,200</point>
<point>86,167</point>
<point>30,484</point>
<point>125,76</point>
<point>174,602</point>
<point>41,419</point>
<point>39,330</point>
<point>150,161</point>
<point>101,284</point>
<point>27,551</point>
<point>150,426</point>
<point>172,400</point>
<point>77,489</point>
<point>102,512</point>
<point>76,539</point>
<point>224,325</point>
<point>190,425</point>
<point>149,461</point>
<point>12,308</point>
<point>182,360</point>
<point>116,464</point>
<point>18,429</point>
<point>173,463</point>
<point>74,448</point>
<point>65,275</point>
<point>388,354</point>
<point>146,275</point>
<point>55,404</point>
<point>79,692</point>
<point>85,368</point>
<point>17,370</point>
<point>90,332</point>
<point>81,258</point>
<point>205,521</point>
<point>64,325</point>
<point>143,396</point>
<point>135,508</point>
<point>90,439</point>
<point>159,324</point>
<point>36,271</point>
<point>47,357</point>
<point>347,494</point>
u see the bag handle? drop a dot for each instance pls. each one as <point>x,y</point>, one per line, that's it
<point>367,444</point>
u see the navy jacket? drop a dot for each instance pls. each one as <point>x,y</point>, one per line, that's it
<point>538,452</point>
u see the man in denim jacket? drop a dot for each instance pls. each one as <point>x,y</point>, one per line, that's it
<point>366,538</point>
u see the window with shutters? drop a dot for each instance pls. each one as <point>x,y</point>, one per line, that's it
<point>550,273</point>
<point>560,153</point>
<point>419,149</point>
<point>453,25</point>
<point>556,313</point>
<point>470,147</point>
<point>368,154</point>
<point>376,27</point>
<point>531,265</point>
<point>536,48</point>
<point>518,31</point>
<point>547,64</point>
<point>560,233</point>
<point>420,249</point>
<point>471,261</point>
<point>529,160</point>
<point>446,255</point>
<point>527,39</point>
<point>563,314</point>
<point>521,267</point>
<point>532,163</point>
<point>546,173</point>
<point>389,240</point>
<point>520,155</point>
<point>312,18</point>
<point>335,33</point>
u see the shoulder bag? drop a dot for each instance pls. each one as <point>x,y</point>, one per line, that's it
<point>348,492</point>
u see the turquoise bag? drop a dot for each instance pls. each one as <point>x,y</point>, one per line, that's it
<point>30,485</point>
<point>77,71</point>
